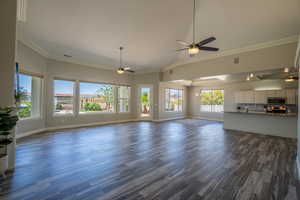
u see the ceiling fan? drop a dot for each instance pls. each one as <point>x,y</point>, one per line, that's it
<point>123,69</point>
<point>195,48</point>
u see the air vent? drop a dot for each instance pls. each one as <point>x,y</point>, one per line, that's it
<point>22,10</point>
<point>236,60</point>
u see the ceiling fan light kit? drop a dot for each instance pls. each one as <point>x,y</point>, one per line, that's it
<point>195,48</point>
<point>121,69</point>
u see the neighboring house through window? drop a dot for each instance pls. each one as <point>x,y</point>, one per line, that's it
<point>173,100</point>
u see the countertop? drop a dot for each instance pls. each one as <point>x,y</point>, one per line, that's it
<point>264,113</point>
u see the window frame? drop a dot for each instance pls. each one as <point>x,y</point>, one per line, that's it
<point>165,100</point>
<point>74,97</point>
<point>97,112</point>
<point>118,99</point>
<point>211,105</point>
<point>38,113</point>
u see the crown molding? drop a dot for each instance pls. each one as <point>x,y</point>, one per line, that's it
<point>35,47</point>
<point>283,41</point>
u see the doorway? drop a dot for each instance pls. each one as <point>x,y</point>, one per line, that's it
<point>145,101</point>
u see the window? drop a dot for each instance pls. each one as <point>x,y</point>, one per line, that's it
<point>123,98</point>
<point>29,90</point>
<point>63,97</point>
<point>173,100</point>
<point>96,97</point>
<point>212,101</point>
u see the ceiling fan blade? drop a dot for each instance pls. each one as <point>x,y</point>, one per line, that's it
<point>182,43</point>
<point>206,41</point>
<point>182,49</point>
<point>128,70</point>
<point>209,48</point>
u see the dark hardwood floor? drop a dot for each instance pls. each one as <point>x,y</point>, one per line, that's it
<point>183,159</point>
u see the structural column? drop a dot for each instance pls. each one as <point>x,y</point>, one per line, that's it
<point>8,13</point>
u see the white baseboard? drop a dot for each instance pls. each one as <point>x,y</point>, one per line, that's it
<point>298,167</point>
<point>168,119</point>
<point>206,118</point>
<point>90,124</point>
<point>21,135</point>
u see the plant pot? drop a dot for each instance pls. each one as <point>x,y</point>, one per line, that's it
<point>3,164</point>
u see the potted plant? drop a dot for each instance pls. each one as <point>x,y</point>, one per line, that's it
<point>8,121</point>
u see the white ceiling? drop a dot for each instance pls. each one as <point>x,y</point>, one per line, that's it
<point>92,30</point>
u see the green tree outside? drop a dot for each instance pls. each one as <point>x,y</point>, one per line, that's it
<point>106,92</point>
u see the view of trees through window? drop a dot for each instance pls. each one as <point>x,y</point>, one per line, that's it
<point>25,96</point>
<point>96,97</point>
<point>173,100</point>
<point>212,100</point>
<point>145,101</point>
<point>63,96</point>
<point>28,90</point>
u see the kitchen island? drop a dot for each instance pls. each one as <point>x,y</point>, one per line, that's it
<point>276,124</point>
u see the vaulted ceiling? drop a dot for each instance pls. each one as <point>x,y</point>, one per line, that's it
<point>92,30</point>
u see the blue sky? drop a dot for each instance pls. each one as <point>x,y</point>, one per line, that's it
<point>25,82</point>
<point>61,86</point>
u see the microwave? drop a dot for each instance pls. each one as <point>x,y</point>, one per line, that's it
<point>276,100</point>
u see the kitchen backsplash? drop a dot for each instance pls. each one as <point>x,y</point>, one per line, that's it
<point>292,108</point>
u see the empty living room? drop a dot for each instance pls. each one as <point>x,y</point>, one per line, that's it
<point>149,100</point>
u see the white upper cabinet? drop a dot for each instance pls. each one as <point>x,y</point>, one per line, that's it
<point>291,96</point>
<point>244,97</point>
<point>260,97</point>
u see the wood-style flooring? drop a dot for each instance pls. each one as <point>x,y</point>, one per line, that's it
<point>176,160</point>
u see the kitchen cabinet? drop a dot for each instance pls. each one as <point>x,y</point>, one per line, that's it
<point>291,97</point>
<point>260,97</point>
<point>244,97</point>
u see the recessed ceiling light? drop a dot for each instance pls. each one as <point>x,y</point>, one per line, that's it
<point>251,75</point>
<point>67,56</point>
<point>286,70</point>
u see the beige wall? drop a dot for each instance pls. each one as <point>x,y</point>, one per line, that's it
<point>33,62</point>
<point>7,51</point>
<point>259,60</point>
<point>7,61</point>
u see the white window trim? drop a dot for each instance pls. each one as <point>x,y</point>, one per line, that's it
<point>74,97</point>
<point>98,112</point>
<point>204,112</point>
<point>129,100</point>
<point>40,91</point>
<point>168,111</point>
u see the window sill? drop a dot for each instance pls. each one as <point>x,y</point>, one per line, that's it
<point>30,118</point>
<point>173,111</point>
<point>96,113</point>
<point>63,115</point>
<point>123,113</point>
<point>211,112</point>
